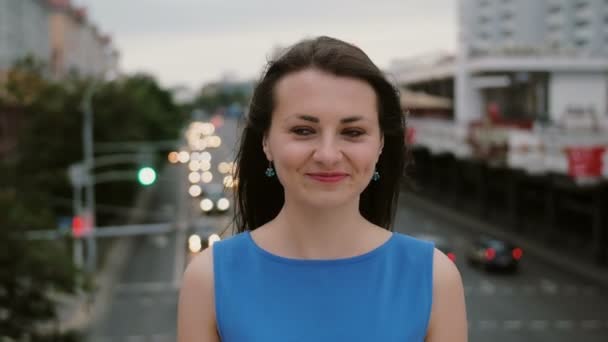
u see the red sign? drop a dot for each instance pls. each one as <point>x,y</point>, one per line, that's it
<point>585,161</point>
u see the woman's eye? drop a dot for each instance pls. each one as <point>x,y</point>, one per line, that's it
<point>353,133</point>
<point>302,131</point>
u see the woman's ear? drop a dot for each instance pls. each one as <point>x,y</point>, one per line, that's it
<point>266,148</point>
<point>381,145</point>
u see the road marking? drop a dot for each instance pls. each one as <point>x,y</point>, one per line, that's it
<point>545,288</point>
<point>488,325</point>
<point>146,301</point>
<point>564,324</point>
<point>548,286</point>
<point>591,324</point>
<point>144,287</point>
<point>487,288</point>
<point>512,325</point>
<point>539,325</point>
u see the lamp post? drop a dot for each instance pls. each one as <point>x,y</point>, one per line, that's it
<point>87,140</point>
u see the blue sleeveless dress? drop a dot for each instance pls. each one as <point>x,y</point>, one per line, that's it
<point>383,295</point>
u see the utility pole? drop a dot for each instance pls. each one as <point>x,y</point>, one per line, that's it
<point>87,140</point>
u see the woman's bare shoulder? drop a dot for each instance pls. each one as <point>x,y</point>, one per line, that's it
<point>196,308</point>
<point>448,313</point>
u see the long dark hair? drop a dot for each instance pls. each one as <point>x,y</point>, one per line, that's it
<point>259,198</point>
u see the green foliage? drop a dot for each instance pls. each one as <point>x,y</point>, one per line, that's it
<point>35,189</point>
<point>30,271</point>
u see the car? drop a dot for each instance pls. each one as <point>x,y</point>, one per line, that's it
<point>201,237</point>
<point>215,201</point>
<point>494,253</point>
<point>441,244</point>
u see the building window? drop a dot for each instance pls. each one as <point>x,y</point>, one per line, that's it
<point>581,43</point>
<point>554,8</point>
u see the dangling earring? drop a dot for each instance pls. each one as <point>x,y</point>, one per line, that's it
<point>376,176</point>
<point>270,170</point>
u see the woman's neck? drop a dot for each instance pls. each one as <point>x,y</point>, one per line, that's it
<point>313,233</point>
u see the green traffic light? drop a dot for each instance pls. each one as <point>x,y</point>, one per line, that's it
<point>146,176</point>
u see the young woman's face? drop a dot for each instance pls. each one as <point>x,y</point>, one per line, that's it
<point>324,139</point>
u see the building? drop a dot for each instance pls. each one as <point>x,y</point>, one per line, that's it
<point>527,141</point>
<point>56,33</point>
<point>535,60</point>
<point>77,46</point>
<point>23,31</point>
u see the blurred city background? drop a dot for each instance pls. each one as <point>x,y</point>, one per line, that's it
<point>118,125</point>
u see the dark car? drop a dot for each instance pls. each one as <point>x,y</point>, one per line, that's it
<point>441,244</point>
<point>494,253</point>
<point>215,201</point>
<point>199,238</point>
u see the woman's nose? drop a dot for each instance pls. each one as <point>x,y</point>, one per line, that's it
<point>328,151</point>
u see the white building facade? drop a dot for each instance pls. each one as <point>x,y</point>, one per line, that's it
<point>535,59</point>
<point>535,69</point>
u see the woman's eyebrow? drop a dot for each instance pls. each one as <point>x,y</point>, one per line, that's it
<point>311,118</point>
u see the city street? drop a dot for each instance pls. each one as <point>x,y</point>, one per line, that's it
<point>539,303</point>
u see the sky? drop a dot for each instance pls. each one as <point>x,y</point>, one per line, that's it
<point>193,42</point>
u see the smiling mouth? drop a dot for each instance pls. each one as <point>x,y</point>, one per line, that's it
<point>327,177</point>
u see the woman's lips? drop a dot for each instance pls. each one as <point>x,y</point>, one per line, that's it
<point>328,177</point>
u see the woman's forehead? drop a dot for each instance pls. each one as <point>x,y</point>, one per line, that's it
<point>320,94</point>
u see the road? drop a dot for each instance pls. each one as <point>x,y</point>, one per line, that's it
<point>538,303</point>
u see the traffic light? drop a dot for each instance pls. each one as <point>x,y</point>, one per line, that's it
<point>81,225</point>
<point>146,176</point>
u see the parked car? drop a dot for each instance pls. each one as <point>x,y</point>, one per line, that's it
<point>441,244</point>
<point>494,253</point>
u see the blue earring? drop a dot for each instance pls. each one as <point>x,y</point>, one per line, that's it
<point>376,176</point>
<point>270,170</point>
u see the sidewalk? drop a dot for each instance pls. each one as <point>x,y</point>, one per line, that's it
<point>79,312</point>
<point>582,268</point>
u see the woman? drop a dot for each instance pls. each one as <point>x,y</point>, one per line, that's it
<point>319,170</point>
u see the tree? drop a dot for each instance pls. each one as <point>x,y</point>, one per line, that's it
<point>30,271</point>
<point>35,190</point>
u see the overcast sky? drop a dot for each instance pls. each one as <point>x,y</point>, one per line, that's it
<point>190,42</point>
